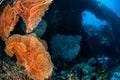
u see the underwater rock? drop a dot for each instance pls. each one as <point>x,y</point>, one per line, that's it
<point>115,72</point>
<point>104,61</point>
<point>102,75</point>
<point>84,70</point>
<point>87,69</point>
<point>65,47</point>
<point>96,28</point>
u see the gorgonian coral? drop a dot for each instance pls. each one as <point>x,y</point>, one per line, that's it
<point>31,54</point>
<point>31,11</point>
<point>8,20</point>
<point>65,47</point>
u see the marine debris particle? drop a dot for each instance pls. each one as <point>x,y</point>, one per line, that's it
<point>31,54</point>
<point>31,11</point>
<point>8,20</point>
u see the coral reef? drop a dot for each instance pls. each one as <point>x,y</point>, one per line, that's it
<point>115,72</point>
<point>80,71</point>
<point>31,11</point>
<point>31,54</point>
<point>102,75</point>
<point>10,71</point>
<point>115,76</point>
<point>67,22</point>
<point>8,20</point>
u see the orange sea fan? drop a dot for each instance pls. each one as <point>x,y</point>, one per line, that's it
<point>8,20</point>
<point>31,11</point>
<point>31,54</point>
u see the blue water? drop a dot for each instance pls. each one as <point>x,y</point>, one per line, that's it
<point>112,4</point>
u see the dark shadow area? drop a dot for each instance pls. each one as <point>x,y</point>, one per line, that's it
<point>18,28</point>
<point>68,21</point>
<point>2,52</point>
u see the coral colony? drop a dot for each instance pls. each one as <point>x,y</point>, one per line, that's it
<point>59,40</point>
<point>30,51</point>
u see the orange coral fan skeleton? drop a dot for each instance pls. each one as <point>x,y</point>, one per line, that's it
<point>8,20</point>
<point>31,54</point>
<point>31,11</point>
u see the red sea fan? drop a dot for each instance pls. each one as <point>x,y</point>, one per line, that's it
<point>31,54</point>
<point>8,20</point>
<point>31,11</point>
